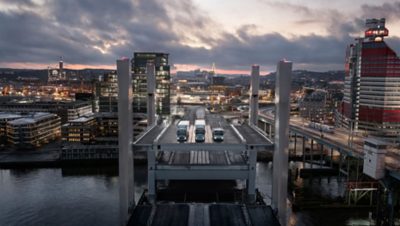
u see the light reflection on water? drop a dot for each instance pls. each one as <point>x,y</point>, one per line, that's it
<point>89,196</point>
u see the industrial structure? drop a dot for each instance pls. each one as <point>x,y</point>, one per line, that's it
<point>56,74</point>
<point>371,102</point>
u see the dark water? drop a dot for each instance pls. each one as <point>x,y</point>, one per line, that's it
<point>87,196</point>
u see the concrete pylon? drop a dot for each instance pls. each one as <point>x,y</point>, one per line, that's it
<point>151,88</point>
<point>281,153</point>
<point>125,138</point>
<point>254,87</point>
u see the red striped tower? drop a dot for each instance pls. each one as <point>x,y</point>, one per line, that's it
<point>371,100</point>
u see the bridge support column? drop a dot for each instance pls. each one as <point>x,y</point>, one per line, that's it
<point>312,154</point>
<point>340,165</point>
<point>251,182</point>
<point>348,168</point>
<point>391,202</point>
<point>387,199</point>
<point>321,156</point>
<point>255,84</point>
<point>304,151</point>
<point>125,138</point>
<point>151,176</point>
<point>270,131</point>
<point>265,126</point>
<point>281,153</point>
<point>295,143</point>
<point>358,169</point>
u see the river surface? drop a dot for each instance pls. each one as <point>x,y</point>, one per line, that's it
<point>89,196</point>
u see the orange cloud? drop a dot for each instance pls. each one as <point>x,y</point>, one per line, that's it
<point>17,65</point>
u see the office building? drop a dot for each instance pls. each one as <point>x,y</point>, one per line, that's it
<point>139,80</point>
<point>33,130</point>
<point>107,125</point>
<point>66,110</point>
<point>80,130</point>
<point>371,102</point>
<point>4,118</point>
<point>107,92</point>
<point>313,105</point>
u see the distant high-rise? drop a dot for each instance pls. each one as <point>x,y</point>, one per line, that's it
<point>139,79</point>
<point>107,92</point>
<point>61,69</point>
<point>371,100</point>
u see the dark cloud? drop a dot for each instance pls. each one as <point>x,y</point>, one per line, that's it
<point>81,30</point>
<point>268,49</point>
<point>388,10</point>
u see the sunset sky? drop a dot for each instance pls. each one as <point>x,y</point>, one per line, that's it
<point>234,34</point>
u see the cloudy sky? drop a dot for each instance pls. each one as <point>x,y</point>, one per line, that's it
<point>232,33</point>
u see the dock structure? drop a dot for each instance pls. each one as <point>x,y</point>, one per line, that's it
<point>232,159</point>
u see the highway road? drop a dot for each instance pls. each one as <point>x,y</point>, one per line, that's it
<point>212,121</point>
<point>339,137</point>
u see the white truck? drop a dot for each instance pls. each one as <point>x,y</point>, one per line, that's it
<point>218,134</point>
<point>182,130</point>
<point>200,130</point>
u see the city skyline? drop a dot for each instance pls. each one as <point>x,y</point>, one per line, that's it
<point>295,148</point>
<point>196,33</point>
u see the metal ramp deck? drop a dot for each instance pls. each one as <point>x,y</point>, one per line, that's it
<point>203,214</point>
<point>232,159</point>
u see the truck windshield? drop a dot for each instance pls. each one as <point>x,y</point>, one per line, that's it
<point>219,133</point>
<point>181,132</point>
<point>200,130</point>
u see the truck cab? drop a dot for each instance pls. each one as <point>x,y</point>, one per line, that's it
<point>181,135</point>
<point>200,135</point>
<point>182,131</point>
<point>200,130</point>
<point>218,134</point>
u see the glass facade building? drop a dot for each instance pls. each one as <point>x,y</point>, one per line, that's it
<point>107,91</point>
<point>139,81</point>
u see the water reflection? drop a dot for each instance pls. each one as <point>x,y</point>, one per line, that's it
<point>89,196</point>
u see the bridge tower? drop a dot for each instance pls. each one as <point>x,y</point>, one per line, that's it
<point>281,153</point>
<point>151,88</point>
<point>125,138</point>
<point>254,87</point>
